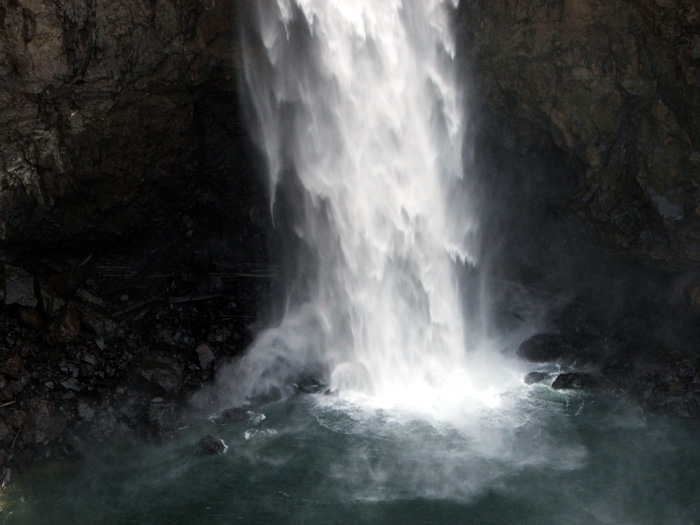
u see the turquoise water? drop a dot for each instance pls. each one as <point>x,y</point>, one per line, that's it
<point>540,457</point>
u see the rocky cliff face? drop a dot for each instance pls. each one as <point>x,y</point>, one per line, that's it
<point>108,110</point>
<point>588,151</point>
<point>615,86</point>
<point>125,178</point>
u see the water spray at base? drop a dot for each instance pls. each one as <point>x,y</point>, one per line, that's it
<point>360,116</point>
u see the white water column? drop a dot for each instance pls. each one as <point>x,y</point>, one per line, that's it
<point>359,99</point>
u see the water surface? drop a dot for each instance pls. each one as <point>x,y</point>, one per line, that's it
<point>539,457</point>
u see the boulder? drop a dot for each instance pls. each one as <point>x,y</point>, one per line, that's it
<point>206,356</point>
<point>233,415</point>
<point>578,321</point>
<point>163,417</point>
<point>19,287</point>
<point>210,446</point>
<point>65,327</point>
<point>44,422</point>
<point>6,435</point>
<point>12,367</point>
<point>162,374</point>
<point>542,348</point>
<point>673,391</point>
<point>575,381</point>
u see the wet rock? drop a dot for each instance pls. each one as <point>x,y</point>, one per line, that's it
<point>206,356</point>
<point>16,419</point>
<point>99,323</point>
<point>92,299</point>
<point>674,391</point>
<point>578,321</point>
<point>6,434</point>
<point>309,384</point>
<point>103,424</point>
<point>44,422</point>
<point>30,317</point>
<point>535,377</point>
<point>131,407</point>
<point>210,446</point>
<point>19,287</point>
<point>263,396</point>
<point>575,381</point>
<point>89,359</point>
<point>163,375</point>
<point>542,348</point>
<point>171,337</point>
<point>5,390</point>
<point>5,477</point>
<point>219,334</point>
<point>66,327</point>
<point>85,411</point>
<point>163,417</point>
<point>73,447</point>
<point>52,304</point>
<point>18,386</point>
<point>233,415</point>
<point>12,367</point>
<point>72,384</point>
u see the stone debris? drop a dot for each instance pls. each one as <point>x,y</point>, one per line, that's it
<point>206,356</point>
<point>19,287</point>
<point>210,446</point>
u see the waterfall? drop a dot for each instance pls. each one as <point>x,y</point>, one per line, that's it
<point>360,118</point>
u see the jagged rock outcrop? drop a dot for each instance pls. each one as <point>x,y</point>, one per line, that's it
<point>615,86</point>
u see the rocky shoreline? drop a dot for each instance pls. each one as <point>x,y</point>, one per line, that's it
<point>114,344</point>
<point>582,352</point>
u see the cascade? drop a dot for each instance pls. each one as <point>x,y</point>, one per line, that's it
<point>358,111</point>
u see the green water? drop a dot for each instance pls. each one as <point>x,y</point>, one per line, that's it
<point>540,457</point>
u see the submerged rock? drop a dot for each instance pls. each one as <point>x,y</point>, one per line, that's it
<point>233,415</point>
<point>309,385</point>
<point>210,446</point>
<point>264,396</point>
<point>575,381</point>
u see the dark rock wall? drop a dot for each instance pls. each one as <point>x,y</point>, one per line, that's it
<point>114,115</point>
<point>133,258</point>
<point>103,106</point>
<point>615,86</point>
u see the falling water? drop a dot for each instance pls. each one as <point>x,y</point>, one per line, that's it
<point>358,104</point>
<point>360,117</point>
